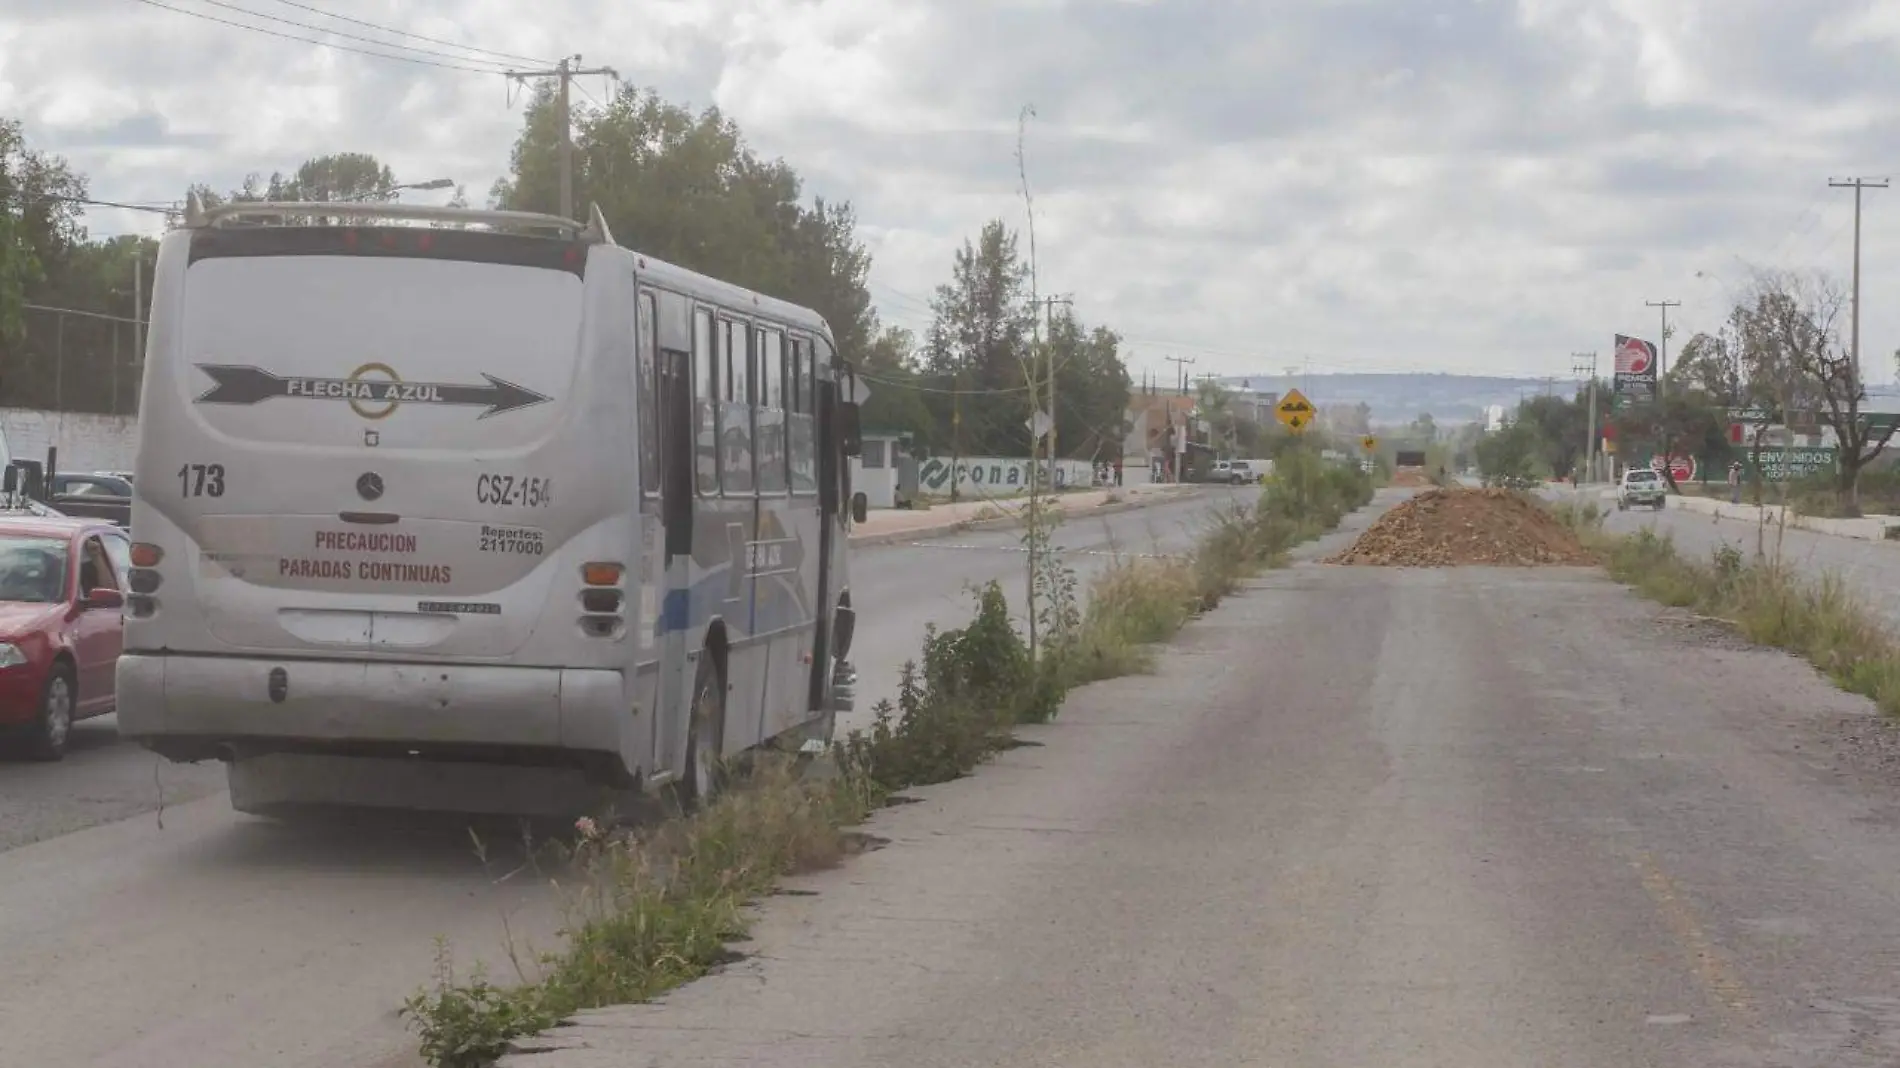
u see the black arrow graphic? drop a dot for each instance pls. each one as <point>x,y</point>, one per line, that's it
<point>238,384</point>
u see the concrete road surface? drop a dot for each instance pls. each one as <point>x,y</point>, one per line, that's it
<point>1363,817</point>
<point>193,937</point>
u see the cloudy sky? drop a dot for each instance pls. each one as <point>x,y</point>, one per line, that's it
<point>1347,185</point>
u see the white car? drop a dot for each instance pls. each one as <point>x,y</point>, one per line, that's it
<point>1641,485</point>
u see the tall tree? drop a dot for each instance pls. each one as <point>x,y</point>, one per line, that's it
<point>897,397</point>
<point>687,189</point>
<point>1092,385</point>
<point>979,340</point>
<point>39,222</point>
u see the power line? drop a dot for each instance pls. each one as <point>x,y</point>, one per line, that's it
<point>321,44</point>
<point>224,4</point>
<point>405,33</point>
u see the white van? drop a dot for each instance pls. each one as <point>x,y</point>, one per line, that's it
<point>417,505</point>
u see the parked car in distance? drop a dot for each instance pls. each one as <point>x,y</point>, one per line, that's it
<point>62,588</point>
<point>1641,485</point>
<point>1235,472</point>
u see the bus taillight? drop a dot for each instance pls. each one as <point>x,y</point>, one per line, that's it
<point>602,574</point>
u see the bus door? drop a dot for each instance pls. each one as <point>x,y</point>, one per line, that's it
<point>667,376</point>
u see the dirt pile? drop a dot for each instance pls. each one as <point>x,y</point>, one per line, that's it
<point>1451,527</point>
<point>1411,478</point>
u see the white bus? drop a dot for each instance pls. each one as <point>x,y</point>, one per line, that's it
<point>490,514</point>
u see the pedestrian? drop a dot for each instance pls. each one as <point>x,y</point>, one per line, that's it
<point>1735,482</point>
<point>1118,472</point>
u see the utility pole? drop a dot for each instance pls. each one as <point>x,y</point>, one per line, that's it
<point>1585,363</point>
<point>1181,364</point>
<point>566,71</point>
<point>1049,314</point>
<point>138,319</point>
<point>1662,361</point>
<point>1857,185</point>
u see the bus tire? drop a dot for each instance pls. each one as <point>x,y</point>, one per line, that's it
<point>704,775</point>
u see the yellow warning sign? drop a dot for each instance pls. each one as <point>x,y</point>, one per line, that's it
<point>1294,410</point>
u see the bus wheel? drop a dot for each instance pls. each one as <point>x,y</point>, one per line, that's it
<point>705,768</point>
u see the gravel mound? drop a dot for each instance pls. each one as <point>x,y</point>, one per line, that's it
<point>1459,527</point>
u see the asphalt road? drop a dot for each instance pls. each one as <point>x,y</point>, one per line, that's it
<point>141,936</point>
<point>1485,818</point>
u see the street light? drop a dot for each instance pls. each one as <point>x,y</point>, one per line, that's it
<point>433,183</point>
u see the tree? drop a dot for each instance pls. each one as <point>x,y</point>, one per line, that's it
<point>1708,364</point>
<point>1791,343</point>
<point>979,340</point>
<point>1683,422</point>
<point>1423,431</point>
<point>39,224</point>
<point>1558,426</point>
<point>1092,383</point>
<point>897,402</point>
<point>687,189</point>
<point>1508,457</point>
<point>1215,404</point>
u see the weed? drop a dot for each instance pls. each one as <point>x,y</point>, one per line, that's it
<point>1770,604</point>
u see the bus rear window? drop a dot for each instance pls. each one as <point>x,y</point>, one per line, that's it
<point>409,242</point>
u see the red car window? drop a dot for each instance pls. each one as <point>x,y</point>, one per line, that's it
<point>32,569</point>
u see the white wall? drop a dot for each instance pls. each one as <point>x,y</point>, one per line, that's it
<point>86,441</point>
<point>994,476</point>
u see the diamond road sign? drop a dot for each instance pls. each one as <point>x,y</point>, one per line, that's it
<point>1294,410</point>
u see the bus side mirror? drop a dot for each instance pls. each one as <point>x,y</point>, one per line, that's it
<point>860,506</point>
<point>850,433</point>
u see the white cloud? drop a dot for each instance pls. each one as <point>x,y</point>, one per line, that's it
<point>1464,185</point>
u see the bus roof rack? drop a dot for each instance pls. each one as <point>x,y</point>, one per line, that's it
<point>197,216</point>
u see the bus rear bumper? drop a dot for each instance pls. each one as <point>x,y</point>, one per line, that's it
<point>197,707</point>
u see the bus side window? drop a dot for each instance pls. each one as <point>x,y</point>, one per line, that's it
<point>647,389</point>
<point>770,393</point>
<point>735,415</point>
<point>804,432</point>
<point>705,403</point>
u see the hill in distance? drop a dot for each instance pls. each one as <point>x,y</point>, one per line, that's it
<point>1401,398</point>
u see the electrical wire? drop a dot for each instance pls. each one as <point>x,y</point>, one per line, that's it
<point>321,44</point>
<point>412,36</point>
<point>227,6</point>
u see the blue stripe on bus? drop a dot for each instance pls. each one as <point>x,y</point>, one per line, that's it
<point>770,606</point>
<point>675,611</point>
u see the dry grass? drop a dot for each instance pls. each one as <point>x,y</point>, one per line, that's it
<point>1770,603</point>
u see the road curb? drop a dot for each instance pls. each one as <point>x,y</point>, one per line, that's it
<point>1010,521</point>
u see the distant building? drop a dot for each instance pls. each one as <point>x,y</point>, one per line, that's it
<point>1494,418</point>
<point>1150,418</point>
<point>1254,405</point>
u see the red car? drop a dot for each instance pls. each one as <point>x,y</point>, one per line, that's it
<point>62,588</point>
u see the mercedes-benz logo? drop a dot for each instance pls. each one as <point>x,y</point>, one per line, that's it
<point>369,486</point>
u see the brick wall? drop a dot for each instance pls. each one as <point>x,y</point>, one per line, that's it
<point>86,441</point>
